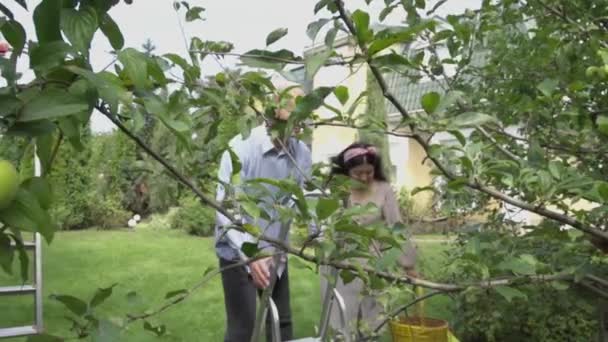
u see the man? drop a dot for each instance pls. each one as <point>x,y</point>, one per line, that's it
<point>261,157</point>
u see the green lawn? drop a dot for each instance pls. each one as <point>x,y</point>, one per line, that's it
<point>151,263</point>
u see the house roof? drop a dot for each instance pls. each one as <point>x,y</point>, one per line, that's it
<point>407,93</point>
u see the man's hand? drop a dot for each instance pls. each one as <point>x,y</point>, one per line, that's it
<point>260,272</point>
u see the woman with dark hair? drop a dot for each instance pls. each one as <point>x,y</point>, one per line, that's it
<point>362,163</point>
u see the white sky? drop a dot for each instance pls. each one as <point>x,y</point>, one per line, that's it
<point>245,23</point>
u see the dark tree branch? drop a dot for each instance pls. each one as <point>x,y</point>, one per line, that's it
<point>271,58</point>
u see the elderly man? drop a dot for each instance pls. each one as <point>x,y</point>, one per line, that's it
<point>261,157</point>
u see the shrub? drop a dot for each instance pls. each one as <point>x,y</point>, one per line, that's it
<point>107,213</point>
<point>550,312</point>
<point>194,218</point>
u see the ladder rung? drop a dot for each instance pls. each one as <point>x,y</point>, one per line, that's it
<point>26,244</point>
<point>18,331</point>
<point>15,290</point>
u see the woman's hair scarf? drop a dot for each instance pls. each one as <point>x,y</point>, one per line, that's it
<point>359,151</point>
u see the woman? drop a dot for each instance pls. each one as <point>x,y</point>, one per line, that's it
<point>362,163</point>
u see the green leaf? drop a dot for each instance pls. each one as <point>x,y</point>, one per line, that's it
<point>47,21</point>
<point>347,276</point>
<point>24,262</point>
<point>172,294</point>
<point>548,86</point>
<point>522,265</point>
<point>44,57</point>
<point>326,207</point>
<point>7,253</point>
<point>309,103</point>
<point>471,119</point>
<point>235,162</point>
<point>457,184</point>
<point>40,188</point>
<point>448,100</point>
<point>386,11</point>
<point>157,330</point>
<point>25,213</point>
<point>75,305</point>
<point>156,72</point>
<point>194,13</point>
<point>52,103</point>
<point>361,21</point>
<point>15,35</point>
<point>560,285</point>
<point>315,62</point>
<point>9,104</point>
<point>330,37</point>
<point>136,66</point>
<point>430,101</point>
<point>416,190</point>
<point>341,93</point>
<point>276,35</point>
<point>111,30</point>
<point>602,189</point>
<point>275,60</point>
<point>313,28</point>
<point>459,136</point>
<point>602,124</point>
<point>251,209</point>
<point>250,249</point>
<point>554,169</point>
<point>509,293</point>
<point>32,129</point>
<point>329,4</point>
<point>251,229</point>
<point>79,26</point>
<point>106,332</point>
<point>101,295</point>
<point>108,85</point>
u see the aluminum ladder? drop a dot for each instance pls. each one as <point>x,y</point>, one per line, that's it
<point>34,289</point>
<point>331,296</point>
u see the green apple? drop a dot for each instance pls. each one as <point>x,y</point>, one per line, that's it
<point>9,183</point>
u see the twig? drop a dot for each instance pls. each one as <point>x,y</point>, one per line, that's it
<point>271,58</point>
<point>506,152</point>
<point>178,299</point>
<point>335,124</point>
<point>405,307</point>
<point>47,168</point>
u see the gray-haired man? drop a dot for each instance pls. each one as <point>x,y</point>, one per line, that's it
<point>261,157</point>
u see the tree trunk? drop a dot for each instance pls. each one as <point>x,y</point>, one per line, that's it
<point>375,116</point>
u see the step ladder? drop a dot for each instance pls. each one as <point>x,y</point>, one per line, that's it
<point>34,289</point>
<point>332,296</point>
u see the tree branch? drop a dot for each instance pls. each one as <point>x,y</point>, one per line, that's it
<point>271,58</point>
<point>188,293</point>
<point>405,307</point>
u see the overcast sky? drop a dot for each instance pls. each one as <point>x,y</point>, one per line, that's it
<point>245,23</point>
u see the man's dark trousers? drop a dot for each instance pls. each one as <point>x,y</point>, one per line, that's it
<point>240,301</point>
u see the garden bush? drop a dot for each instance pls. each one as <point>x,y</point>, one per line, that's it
<point>193,218</point>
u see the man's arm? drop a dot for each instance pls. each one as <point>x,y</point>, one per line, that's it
<point>234,237</point>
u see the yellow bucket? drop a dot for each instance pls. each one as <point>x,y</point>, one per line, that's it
<point>420,328</point>
<point>417,329</point>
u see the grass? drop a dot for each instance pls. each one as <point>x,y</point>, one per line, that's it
<point>152,263</point>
